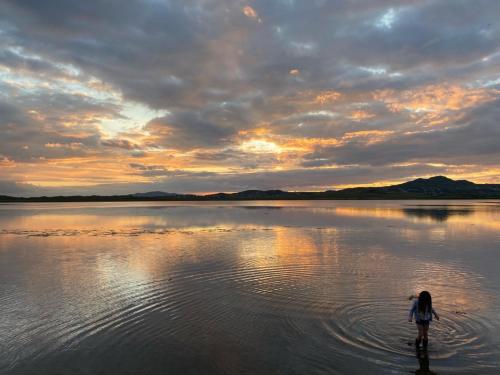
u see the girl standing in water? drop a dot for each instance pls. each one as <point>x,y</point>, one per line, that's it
<point>423,311</point>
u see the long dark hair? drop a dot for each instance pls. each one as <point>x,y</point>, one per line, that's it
<point>424,302</point>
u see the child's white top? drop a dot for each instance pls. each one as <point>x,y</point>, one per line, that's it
<point>420,316</point>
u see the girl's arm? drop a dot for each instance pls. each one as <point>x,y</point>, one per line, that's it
<point>412,311</point>
<point>435,314</point>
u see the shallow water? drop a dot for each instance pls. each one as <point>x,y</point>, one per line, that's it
<point>307,287</point>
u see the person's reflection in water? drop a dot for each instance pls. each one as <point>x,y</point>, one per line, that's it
<point>423,361</point>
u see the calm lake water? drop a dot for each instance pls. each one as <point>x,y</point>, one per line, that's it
<point>310,287</point>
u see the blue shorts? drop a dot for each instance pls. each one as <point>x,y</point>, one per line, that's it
<point>424,323</point>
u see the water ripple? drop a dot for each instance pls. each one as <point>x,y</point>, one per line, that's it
<point>327,308</point>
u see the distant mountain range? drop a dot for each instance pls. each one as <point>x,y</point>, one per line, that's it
<point>154,194</point>
<point>438,187</point>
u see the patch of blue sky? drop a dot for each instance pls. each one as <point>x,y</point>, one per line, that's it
<point>133,116</point>
<point>387,19</point>
<point>489,82</point>
<point>379,71</point>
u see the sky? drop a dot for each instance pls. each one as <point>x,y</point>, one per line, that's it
<point>200,96</point>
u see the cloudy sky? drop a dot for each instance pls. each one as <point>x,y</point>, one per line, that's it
<point>107,96</point>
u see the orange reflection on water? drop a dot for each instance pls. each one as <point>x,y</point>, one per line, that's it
<point>377,212</point>
<point>486,218</point>
<point>77,221</point>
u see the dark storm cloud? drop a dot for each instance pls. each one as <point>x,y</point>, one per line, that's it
<point>219,73</point>
<point>327,124</point>
<point>400,36</point>
<point>26,137</point>
<point>193,129</point>
<point>474,139</point>
<point>11,60</point>
<point>120,143</point>
<point>57,106</point>
<point>162,53</point>
<point>134,47</point>
<point>10,187</point>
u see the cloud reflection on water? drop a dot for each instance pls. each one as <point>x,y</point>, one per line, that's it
<point>322,285</point>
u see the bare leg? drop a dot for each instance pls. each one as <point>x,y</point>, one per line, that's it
<point>420,328</point>
<point>425,330</point>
